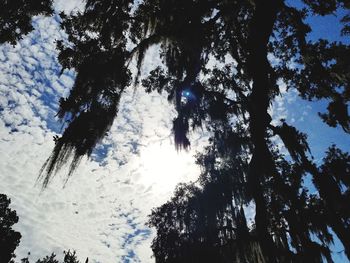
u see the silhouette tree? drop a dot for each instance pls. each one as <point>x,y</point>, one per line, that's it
<point>69,257</point>
<point>9,238</point>
<point>206,221</point>
<point>16,16</point>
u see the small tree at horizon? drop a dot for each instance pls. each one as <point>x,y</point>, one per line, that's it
<point>9,238</point>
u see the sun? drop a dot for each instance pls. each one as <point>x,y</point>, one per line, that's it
<point>162,167</point>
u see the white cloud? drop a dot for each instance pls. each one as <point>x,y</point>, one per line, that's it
<point>69,6</point>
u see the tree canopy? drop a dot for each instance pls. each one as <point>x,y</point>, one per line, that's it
<point>16,16</point>
<point>206,221</point>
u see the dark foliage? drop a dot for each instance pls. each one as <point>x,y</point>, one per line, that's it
<point>16,17</point>
<point>98,53</point>
<point>69,257</point>
<point>9,238</point>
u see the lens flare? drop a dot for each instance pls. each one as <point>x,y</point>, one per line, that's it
<point>187,96</point>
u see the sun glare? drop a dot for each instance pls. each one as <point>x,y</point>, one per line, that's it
<point>163,167</point>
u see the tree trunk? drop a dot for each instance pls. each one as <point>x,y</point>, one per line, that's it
<point>258,67</point>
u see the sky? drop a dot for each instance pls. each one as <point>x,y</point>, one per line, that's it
<point>101,210</point>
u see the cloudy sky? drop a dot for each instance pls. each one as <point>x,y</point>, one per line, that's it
<point>101,211</point>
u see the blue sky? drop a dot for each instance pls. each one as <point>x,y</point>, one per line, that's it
<point>304,114</point>
<point>102,209</point>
